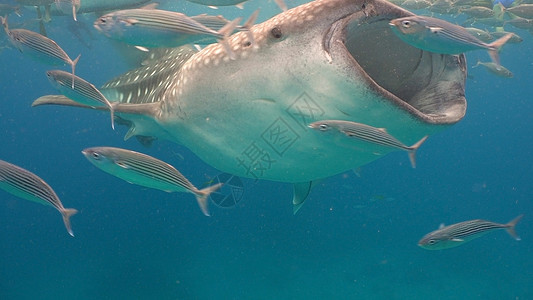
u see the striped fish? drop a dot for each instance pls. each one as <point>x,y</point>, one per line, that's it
<point>24,184</point>
<point>238,3</point>
<point>439,36</point>
<point>80,91</point>
<point>216,23</point>
<point>144,170</point>
<point>39,47</point>
<point>368,134</point>
<point>457,234</point>
<point>149,27</point>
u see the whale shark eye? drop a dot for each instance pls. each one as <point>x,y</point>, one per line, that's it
<point>276,32</point>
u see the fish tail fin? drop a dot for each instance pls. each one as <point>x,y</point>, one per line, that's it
<point>412,151</point>
<point>3,20</point>
<point>226,31</point>
<point>74,12</point>
<point>248,25</point>
<point>510,227</point>
<point>112,112</point>
<point>495,46</point>
<point>201,197</point>
<point>477,64</point>
<point>74,62</point>
<point>67,213</point>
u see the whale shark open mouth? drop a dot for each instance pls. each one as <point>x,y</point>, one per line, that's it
<point>428,85</point>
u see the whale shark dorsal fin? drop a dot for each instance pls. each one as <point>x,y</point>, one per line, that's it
<point>441,225</point>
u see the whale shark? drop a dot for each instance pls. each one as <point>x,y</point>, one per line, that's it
<point>326,59</point>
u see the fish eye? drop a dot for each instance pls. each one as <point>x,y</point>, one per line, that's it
<point>276,32</point>
<point>432,242</point>
<point>102,20</point>
<point>323,127</point>
<point>96,155</point>
<point>406,24</point>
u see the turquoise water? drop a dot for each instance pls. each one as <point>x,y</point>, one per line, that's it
<point>355,238</point>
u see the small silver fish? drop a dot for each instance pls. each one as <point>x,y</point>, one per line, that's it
<point>238,3</point>
<point>457,234</point>
<point>218,22</point>
<point>144,170</point>
<point>26,185</point>
<point>39,46</point>
<point>80,91</point>
<point>515,39</point>
<point>483,35</point>
<point>495,69</point>
<point>522,10</point>
<point>6,9</point>
<point>369,134</point>
<point>477,11</point>
<point>521,23</point>
<point>416,4</point>
<point>439,36</point>
<point>150,27</point>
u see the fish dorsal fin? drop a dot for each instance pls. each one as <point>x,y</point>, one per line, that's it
<point>150,6</point>
<point>441,225</point>
<point>384,130</point>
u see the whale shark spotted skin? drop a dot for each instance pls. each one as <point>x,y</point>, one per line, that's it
<point>327,59</point>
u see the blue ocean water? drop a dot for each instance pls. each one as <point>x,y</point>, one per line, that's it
<point>355,238</point>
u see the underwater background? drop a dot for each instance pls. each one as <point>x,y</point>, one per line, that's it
<point>355,238</point>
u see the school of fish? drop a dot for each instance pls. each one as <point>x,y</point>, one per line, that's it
<point>140,23</point>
